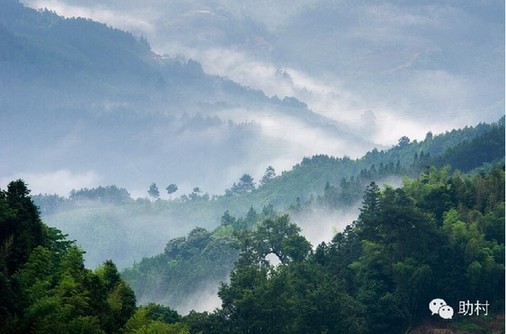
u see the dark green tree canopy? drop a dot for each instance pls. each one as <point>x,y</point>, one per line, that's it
<point>275,236</point>
<point>245,185</point>
<point>45,287</point>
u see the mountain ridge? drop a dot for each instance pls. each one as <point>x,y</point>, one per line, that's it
<point>322,180</point>
<point>78,89</point>
<point>330,213</point>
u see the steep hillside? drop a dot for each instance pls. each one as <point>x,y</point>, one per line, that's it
<point>90,100</point>
<point>309,177</point>
<point>447,229</point>
<point>108,221</point>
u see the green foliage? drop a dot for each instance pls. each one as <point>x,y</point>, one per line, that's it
<point>378,275</point>
<point>273,236</point>
<point>347,178</point>
<point>441,234</point>
<point>171,188</point>
<point>109,275</point>
<point>294,297</point>
<point>48,204</point>
<point>109,194</point>
<point>142,322</point>
<point>190,265</point>
<point>45,285</point>
<point>162,313</point>
<point>472,153</point>
<point>269,175</point>
<point>21,229</point>
<point>428,238</point>
<point>187,266</point>
<point>244,186</point>
<point>135,229</point>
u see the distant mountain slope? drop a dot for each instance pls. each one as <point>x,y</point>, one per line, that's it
<point>73,52</point>
<point>107,221</point>
<point>93,100</point>
<point>185,273</point>
<point>421,62</point>
<point>462,149</point>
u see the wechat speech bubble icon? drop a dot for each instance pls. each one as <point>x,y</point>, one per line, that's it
<point>435,305</point>
<point>446,312</point>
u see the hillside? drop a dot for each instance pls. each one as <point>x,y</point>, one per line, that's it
<point>45,285</point>
<point>126,229</point>
<point>376,276</point>
<point>319,213</point>
<point>304,166</point>
<point>310,176</point>
<point>96,103</point>
<point>437,235</point>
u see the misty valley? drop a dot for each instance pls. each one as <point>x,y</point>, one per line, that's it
<point>302,245</point>
<point>238,179</point>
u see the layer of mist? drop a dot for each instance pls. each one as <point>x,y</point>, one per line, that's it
<point>198,94</point>
<point>105,109</point>
<point>404,62</point>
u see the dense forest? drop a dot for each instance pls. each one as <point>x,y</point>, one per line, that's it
<point>108,223</point>
<point>45,285</point>
<point>438,234</point>
<point>186,235</point>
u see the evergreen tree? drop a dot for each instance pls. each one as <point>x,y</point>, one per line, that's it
<point>268,176</point>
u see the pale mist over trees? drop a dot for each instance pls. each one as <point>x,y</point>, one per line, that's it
<point>282,94</point>
<point>212,167</point>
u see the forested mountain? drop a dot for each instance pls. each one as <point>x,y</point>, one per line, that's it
<point>77,90</point>
<point>45,285</point>
<point>280,200</point>
<point>422,60</point>
<point>439,235</point>
<point>106,220</point>
<point>322,194</point>
<point>409,158</point>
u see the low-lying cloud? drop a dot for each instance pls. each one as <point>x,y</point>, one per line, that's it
<point>55,182</point>
<point>381,70</point>
<point>418,68</point>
